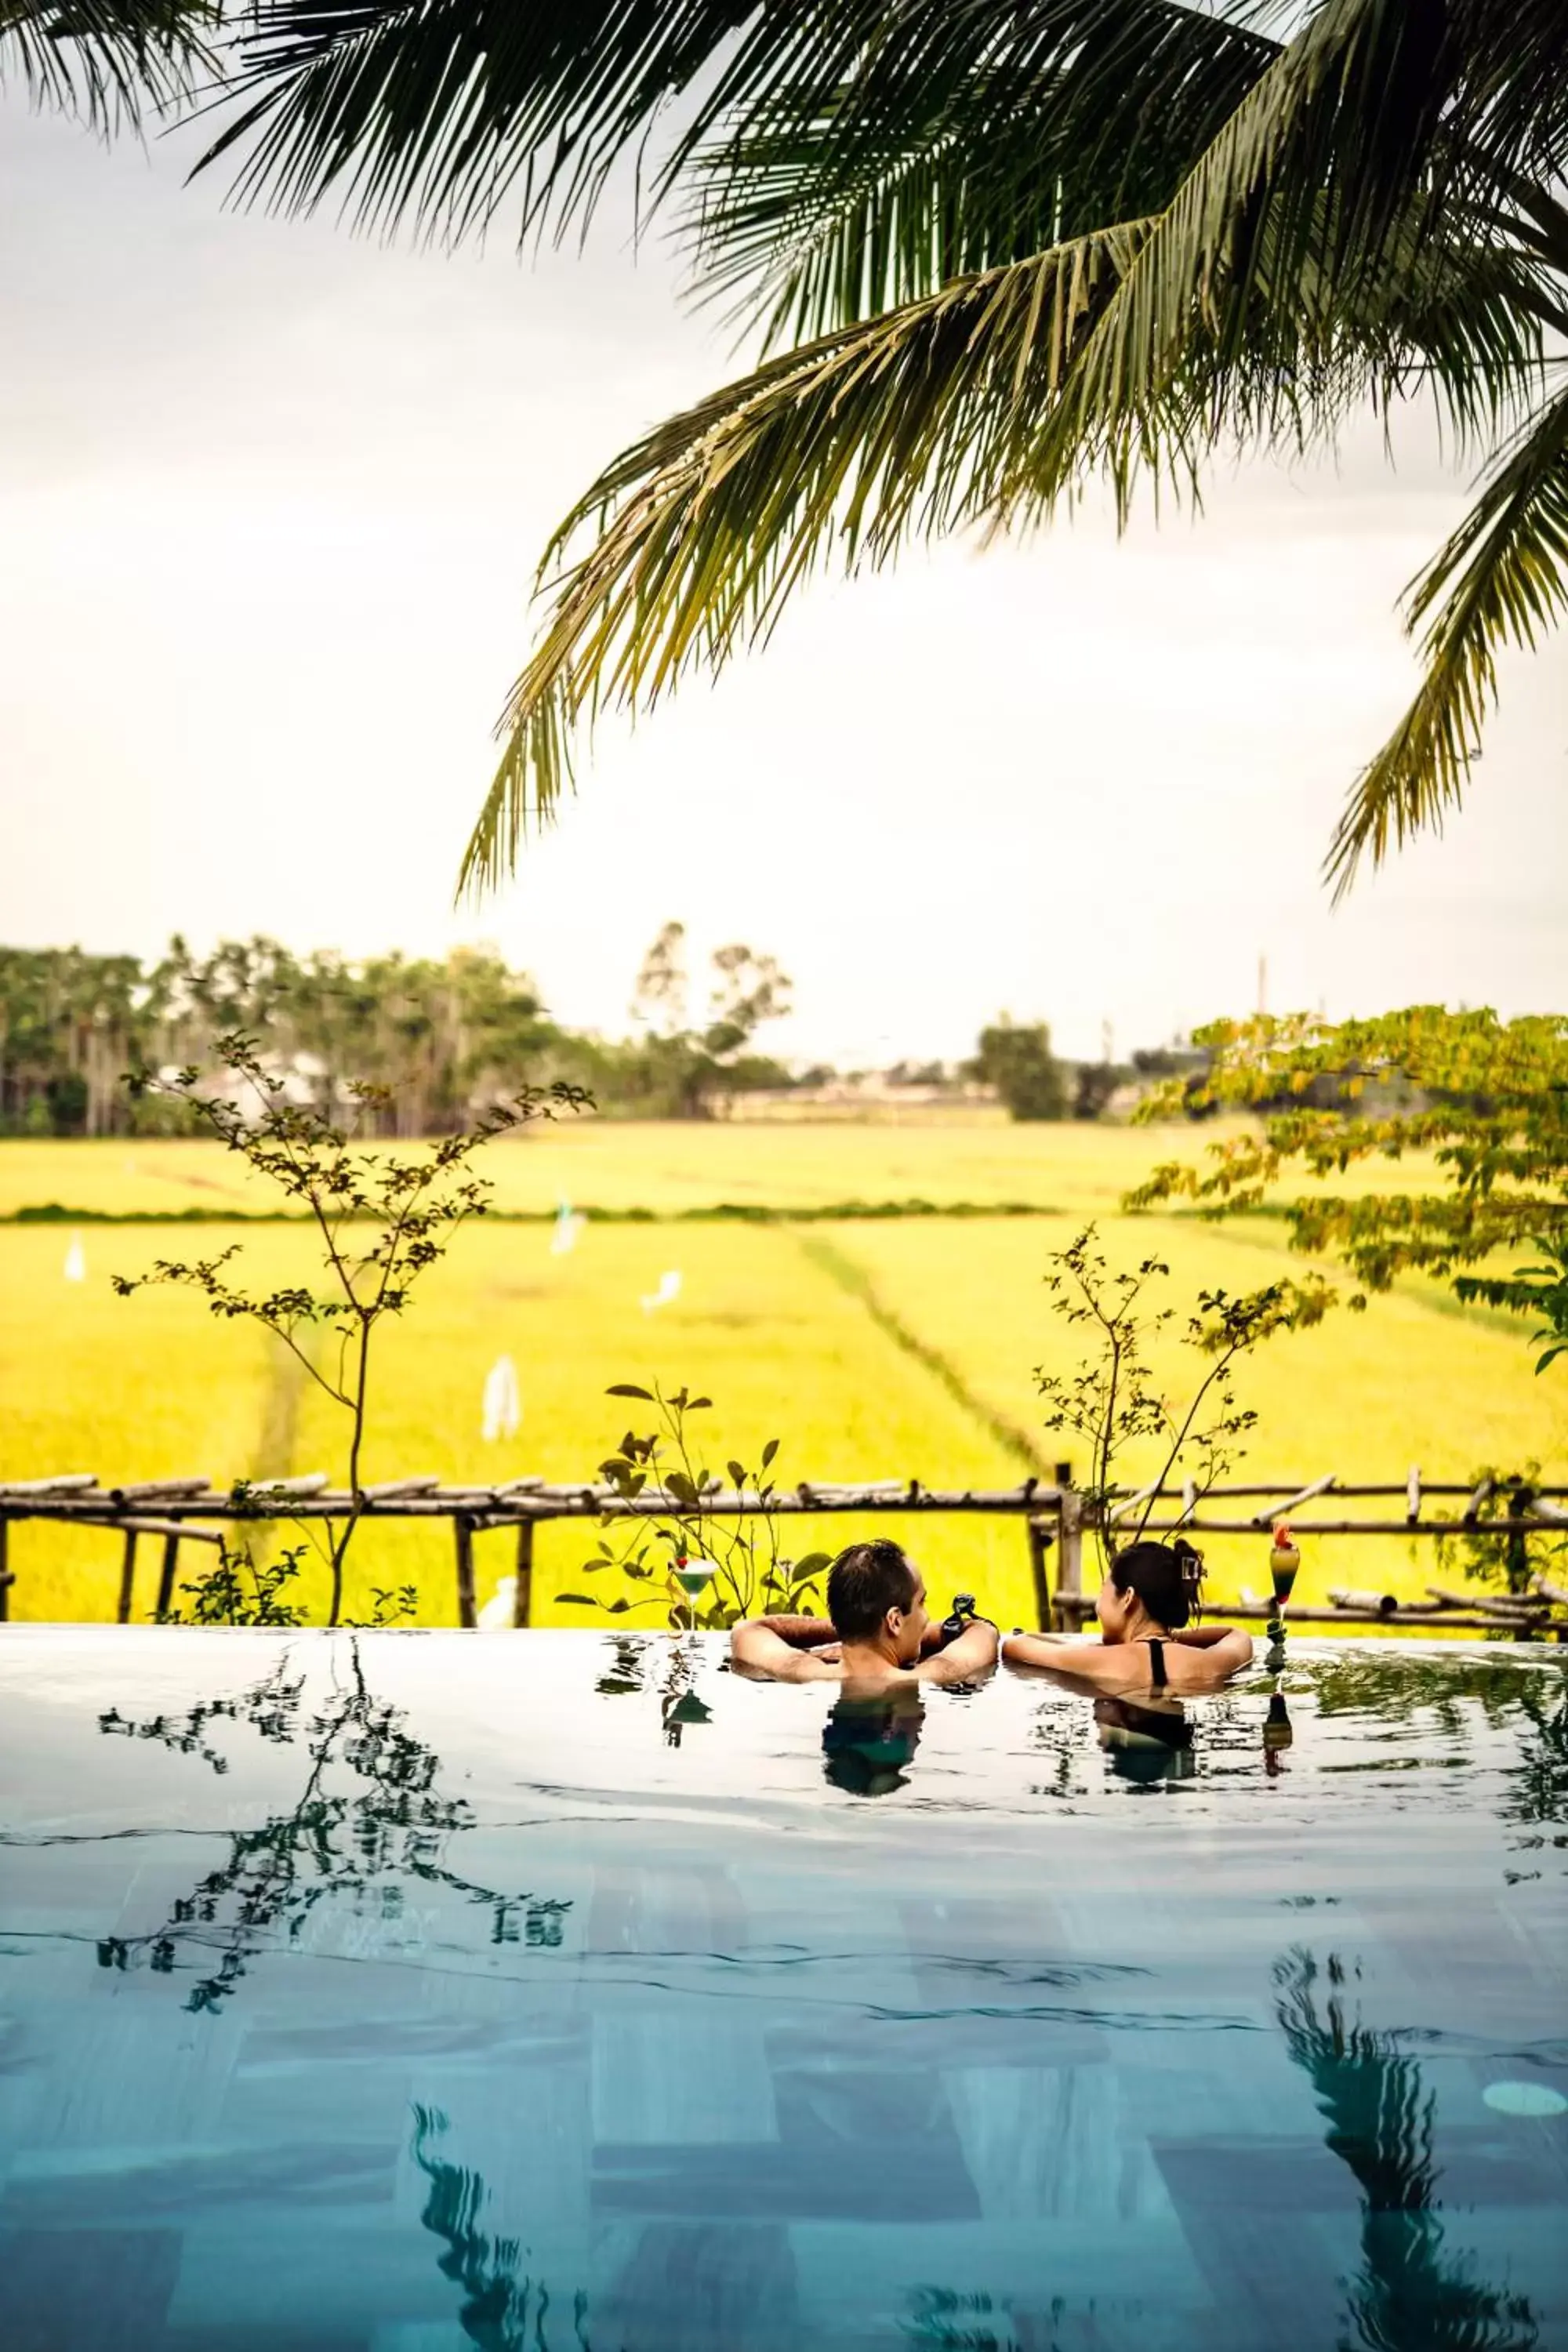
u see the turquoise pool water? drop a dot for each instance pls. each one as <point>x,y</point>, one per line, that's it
<point>405,1993</point>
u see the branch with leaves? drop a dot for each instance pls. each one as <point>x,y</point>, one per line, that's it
<point>381,1220</point>
<point>1113,1401</point>
<point>732,1567</point>
<point>1486,1099</point>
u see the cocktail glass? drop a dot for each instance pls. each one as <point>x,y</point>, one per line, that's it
<point>694,1577</point>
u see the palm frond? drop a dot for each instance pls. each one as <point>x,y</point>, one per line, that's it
<point>964,137</point>
<point>438,111</point>
<point>1319,255</point>
<point>106,60</point>
<point>1502,578</point>
<point>911,425</point>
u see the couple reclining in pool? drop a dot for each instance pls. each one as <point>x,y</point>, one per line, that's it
<point>878,1632</point>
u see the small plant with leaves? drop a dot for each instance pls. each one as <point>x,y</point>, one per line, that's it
<point>237,1592</point>
<point>1486,1554</point>
<point>704,1571</point>
<point>1113,1401</point>
<point>381,1220</point>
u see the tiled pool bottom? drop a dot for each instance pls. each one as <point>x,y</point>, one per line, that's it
<point>401,1993</point>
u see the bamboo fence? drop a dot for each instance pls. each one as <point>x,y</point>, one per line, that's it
<point>171,1512</point>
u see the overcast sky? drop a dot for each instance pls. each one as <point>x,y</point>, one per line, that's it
<point>272,499</point>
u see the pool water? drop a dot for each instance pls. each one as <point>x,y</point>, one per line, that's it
<point>408,1993</point>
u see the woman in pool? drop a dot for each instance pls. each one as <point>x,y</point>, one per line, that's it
<point>1148,1641</point>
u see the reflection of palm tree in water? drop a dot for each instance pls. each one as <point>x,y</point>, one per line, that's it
<point>505,2310</point>
<point>1407,2297</point>
<point>392,1826</point>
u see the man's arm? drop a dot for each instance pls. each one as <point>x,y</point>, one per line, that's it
<point>782,1647</point>
<point>973,1653</point>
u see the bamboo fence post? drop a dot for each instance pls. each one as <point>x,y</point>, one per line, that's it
<point>1070,1549</point>
<point>166,1573</point>
<point>523,1589</point>
<point>1039,1537</point>
<point>463,1542</point>
<point>127,1579</point>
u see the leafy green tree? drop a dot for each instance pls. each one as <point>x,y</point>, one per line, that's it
<point>992,251</point>
<point>1483,1101</point>
<point>683,1067</point>
<point>1017,1059</point>
<point>381,1222</point>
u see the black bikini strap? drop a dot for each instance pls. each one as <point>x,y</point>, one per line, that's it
<point>1156,1662</point>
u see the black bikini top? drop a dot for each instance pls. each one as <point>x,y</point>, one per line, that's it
<point>1156,1650</point>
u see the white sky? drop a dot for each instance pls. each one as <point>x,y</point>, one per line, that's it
<point>272,501</point>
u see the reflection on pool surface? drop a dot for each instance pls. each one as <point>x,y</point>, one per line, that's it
<point>406,1992</point>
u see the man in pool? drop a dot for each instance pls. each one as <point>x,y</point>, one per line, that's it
<point>878,1631</point>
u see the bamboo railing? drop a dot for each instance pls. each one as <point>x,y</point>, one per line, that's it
<point>1056,1516</point>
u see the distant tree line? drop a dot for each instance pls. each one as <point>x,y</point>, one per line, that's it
<point>446,1036</point>
<point>1033,1083</point>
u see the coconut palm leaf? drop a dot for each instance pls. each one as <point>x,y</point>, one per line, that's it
<point>105,60</point>
<point>437,111</point>
<point>936,417</point>
<point>1502,579</point>
<point>1325,191</point>
<point>1028,241</point>
<point>966,136</point>
<point>912,424</point>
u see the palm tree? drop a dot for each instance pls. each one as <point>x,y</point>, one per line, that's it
<point>107,61</point>
<point>995,249</point>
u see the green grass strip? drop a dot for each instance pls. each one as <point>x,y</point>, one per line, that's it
<point>715,1212</point>
<point>854,1281</point>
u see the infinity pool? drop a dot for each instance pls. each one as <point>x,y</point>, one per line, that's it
<point>405,1993</point>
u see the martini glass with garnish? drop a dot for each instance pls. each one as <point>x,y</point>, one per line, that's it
<point>694,1577</point>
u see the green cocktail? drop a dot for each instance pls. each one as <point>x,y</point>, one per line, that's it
<point>694,1577</point>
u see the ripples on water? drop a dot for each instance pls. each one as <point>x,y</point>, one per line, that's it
<point>401,1992</point>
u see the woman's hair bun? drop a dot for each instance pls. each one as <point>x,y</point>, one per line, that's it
<point>1167,1578</point>
<point>1191,1564</point>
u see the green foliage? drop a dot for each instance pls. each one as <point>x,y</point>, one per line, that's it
<point>1017,1059</point>
<point>383,1220</point>
<point>1485,1554</point>
<point>1113,1401</point>
<point>1013,250</point>
<point>654,1548</point>
<point>441,1041</point>
<point>237,1592</point>
<point>683,1065</point>
<point>107,62</point>
<point>1486,1098</point>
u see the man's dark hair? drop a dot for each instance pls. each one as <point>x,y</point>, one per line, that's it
<point>864,1583</point>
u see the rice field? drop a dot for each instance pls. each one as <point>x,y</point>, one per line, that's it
<point>868,1348</point>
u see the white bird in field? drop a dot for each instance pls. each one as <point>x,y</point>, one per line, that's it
<point>496,1613</point>
<point>669,1288</point>
<point>502,1405</point>
<point>76,1263</point>
<point>568,1225</point>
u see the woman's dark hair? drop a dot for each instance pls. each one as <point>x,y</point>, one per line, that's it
<point>864,1583</point>
<point>1165,1577</point>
